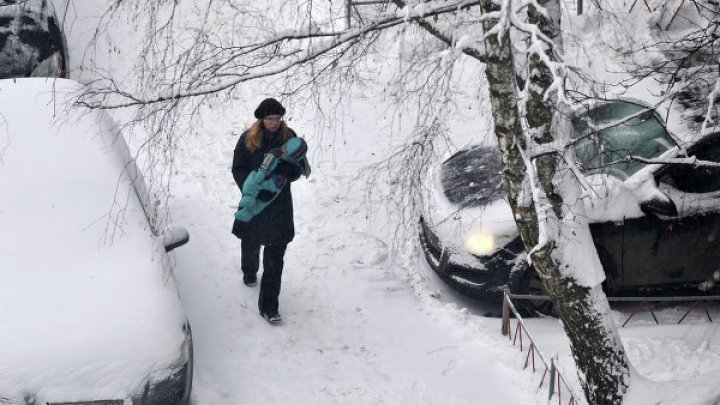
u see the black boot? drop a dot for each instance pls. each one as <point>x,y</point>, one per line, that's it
<point>249,279</point>
<point>272,318</point>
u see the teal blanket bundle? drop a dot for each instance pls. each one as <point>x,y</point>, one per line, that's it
<point>265,184</point>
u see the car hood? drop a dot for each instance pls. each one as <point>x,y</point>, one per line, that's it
<point>88,304</point>
<point>454,225</point>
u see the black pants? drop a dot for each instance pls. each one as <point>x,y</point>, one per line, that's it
<point>273,260</point>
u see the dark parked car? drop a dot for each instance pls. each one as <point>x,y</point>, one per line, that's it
<point>657,229</point>
<point>31,41</point>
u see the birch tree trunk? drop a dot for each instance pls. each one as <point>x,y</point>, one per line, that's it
<point>500,74</point>
<point>584,311</point>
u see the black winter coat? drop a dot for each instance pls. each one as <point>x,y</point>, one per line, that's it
<point>275,223</point>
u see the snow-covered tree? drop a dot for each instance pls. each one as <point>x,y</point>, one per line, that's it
<point>685,61</point>
<point>545,192</point>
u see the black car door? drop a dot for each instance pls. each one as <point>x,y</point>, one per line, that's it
<point>681,251</point>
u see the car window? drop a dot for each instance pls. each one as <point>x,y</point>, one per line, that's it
<point>601,151</point>
<point>702,179</point>
<point>473,177</point>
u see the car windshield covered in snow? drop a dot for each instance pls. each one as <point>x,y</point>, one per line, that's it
<point>473,177</point>
<point>609,133</point>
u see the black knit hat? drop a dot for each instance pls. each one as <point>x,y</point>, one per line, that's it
<point>269,106</point>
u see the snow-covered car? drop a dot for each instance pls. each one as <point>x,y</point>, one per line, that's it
<point>656,227</point>
<point>31,41</point>
<point>88,301</point>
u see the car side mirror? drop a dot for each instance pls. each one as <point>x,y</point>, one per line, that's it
<point>659,204</point>
<point>175,237</point>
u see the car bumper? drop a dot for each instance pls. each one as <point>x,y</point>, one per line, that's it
<point>482,278</point>
<point>175,388</point>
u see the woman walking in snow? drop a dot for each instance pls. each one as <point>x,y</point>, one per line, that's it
<point>273,226</point>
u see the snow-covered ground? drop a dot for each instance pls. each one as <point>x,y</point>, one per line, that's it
<point>363,324</point>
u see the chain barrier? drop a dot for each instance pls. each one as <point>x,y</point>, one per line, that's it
<point>696,301</point>
<point>556,381</point>
<point>646,303</point>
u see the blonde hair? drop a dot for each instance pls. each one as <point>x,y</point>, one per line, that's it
<point>253,139</point>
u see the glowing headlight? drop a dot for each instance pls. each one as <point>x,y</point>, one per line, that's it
<point>480,243</point>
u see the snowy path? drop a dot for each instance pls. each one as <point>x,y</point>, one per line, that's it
<point>348,337</point>
<point>354,331</point>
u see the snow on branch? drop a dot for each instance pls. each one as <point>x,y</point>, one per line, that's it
<point>542,205</point>
<point>691,161</point>
<point>214,67</point>
<point>540,45</point>
<point>467,46</point>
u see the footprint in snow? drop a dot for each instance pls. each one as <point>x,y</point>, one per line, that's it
<point>366,250</point>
